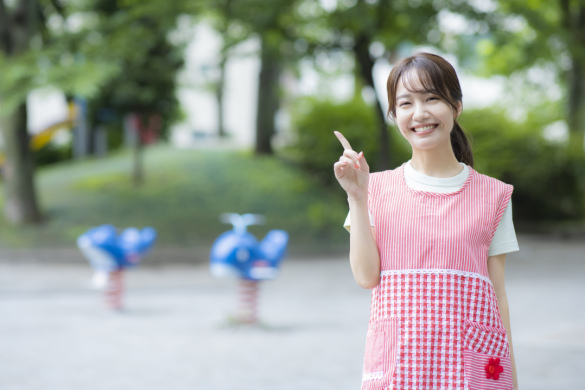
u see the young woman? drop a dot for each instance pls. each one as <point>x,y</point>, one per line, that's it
<point>430,238</point>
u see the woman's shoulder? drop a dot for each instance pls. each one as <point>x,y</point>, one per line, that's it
<point>489,180</point>
<point>491,189</point>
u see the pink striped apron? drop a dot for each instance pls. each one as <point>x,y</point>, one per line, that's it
<point>434,321</point>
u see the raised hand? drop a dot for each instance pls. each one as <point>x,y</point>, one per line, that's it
<point>352,171</point>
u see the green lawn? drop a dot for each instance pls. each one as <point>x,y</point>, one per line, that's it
<point>184,194</point>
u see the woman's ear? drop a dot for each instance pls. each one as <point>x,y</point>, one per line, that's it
<point>459,109</point>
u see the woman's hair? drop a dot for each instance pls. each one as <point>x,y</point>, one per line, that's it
<point>436,76</point>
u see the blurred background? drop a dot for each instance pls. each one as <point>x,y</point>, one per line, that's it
<point>169,113</point>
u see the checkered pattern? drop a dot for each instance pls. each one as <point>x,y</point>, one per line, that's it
<point>439,312</point>
<point>485,339</point>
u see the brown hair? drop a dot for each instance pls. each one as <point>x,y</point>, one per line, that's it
<point>436,76</point>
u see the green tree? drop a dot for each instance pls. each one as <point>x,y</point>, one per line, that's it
<point>373,30</point>
<point>273,23</point>
<point>148,62</point>
<point>518,35</point>
<point>32,56</point>
<point>73,47</point>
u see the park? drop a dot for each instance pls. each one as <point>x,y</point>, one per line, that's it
<point>155,121</point>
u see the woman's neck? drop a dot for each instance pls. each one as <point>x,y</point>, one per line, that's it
<point>436,162</point>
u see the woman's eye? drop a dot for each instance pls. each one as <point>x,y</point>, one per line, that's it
<point>433,98</point>
<point>403,104</point>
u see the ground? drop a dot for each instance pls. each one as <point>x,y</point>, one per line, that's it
<point>54,333</point>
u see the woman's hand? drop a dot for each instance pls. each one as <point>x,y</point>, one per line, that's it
<point>352,171</point>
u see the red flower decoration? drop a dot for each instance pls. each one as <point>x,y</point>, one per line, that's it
<point>493,369</point>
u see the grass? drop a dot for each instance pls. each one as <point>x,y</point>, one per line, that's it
<point>184,193</point>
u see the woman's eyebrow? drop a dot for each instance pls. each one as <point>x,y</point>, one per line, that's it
<point>407,95</point>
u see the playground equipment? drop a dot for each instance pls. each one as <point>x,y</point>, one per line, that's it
<point>237,254</point>
<point>109,254</point>
<point>42,138</point>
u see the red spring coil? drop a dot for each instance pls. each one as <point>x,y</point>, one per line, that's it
<point>248,311</point>
<point>114,291</point>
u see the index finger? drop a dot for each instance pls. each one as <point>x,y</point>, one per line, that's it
<point>344,142</point>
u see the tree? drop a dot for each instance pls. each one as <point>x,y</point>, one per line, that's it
<point>145,87</point>
<point>518,35</point>
<point>32,56</point>
<point>375,30</point>
<point>40,45</point>
<point>273,23</point>
<point>17,27</point>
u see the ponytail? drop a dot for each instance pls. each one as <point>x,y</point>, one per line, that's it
<point>461,145</point>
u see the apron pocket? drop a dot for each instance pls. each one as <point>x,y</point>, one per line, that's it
<point>486,357</point>
<point>380,356</point>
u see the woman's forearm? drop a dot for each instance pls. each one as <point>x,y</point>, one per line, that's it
<point>505,314</point>
<point>363,253</point>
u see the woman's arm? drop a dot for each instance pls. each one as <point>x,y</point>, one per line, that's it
<point>353,173</point>
<point>496,267</point>
<point>364,257</point>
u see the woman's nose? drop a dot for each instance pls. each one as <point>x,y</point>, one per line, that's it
<point>420,112</point>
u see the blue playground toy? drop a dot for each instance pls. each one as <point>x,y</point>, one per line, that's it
<point>110,253</point>
<point>238,254</point>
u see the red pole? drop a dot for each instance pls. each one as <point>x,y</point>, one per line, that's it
<point>114,291</point>
<point>248,311</point>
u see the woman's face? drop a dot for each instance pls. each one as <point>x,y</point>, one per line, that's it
<point>424,119</point>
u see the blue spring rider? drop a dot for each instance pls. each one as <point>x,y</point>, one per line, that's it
<point>108,252</point>
<point>237,253</point>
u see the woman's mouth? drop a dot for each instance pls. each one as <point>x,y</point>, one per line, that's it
<point>424,129</point>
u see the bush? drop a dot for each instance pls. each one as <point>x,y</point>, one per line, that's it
<point>548,186</point>
<point>52,153</point>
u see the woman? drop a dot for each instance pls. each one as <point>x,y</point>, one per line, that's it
<point>430,238</point>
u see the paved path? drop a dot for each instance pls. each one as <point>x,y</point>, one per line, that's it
<point>54,334</point>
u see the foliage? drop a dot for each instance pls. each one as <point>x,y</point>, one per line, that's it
<point>46,58</point>
<point>547,184</point>
<point>52,153</point>
<point>148,62</point>
<point>544,40</point>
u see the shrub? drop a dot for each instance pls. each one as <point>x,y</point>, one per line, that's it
<point>548,186</point>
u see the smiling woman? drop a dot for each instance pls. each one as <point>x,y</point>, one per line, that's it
<point>424,95</point>
<point>430,239</point>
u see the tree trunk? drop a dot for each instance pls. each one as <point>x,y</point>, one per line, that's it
<point>81,131</point>
<point>268,97</point>
<point>138,124</point>
<point>576,110</point>
<point>366,67</point>
<point>137,171</point>
<point>573,22</point>
<point>20,204</point>
<point>219,96</point>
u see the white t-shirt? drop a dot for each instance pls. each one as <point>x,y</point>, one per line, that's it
<point>504,240</point>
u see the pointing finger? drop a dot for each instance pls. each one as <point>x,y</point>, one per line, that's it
<point>341,138</point>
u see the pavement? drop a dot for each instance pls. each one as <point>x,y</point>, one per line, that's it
<point>174,333</point>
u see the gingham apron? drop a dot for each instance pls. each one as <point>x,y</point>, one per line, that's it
<point>434,321</point>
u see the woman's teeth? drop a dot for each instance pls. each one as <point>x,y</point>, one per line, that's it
<point>420,129</point>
